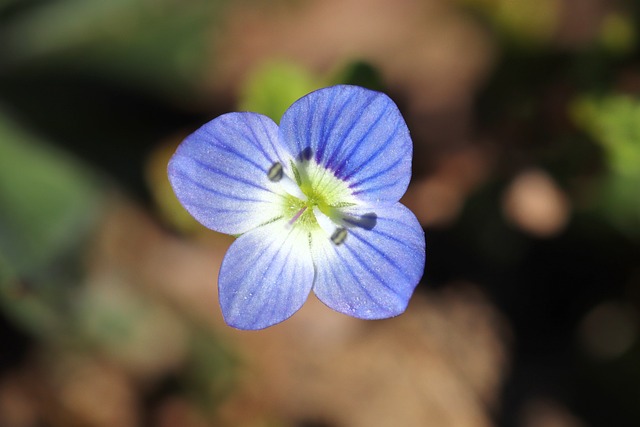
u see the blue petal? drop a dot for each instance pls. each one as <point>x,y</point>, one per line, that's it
<point>265,276</point>
<point>372,274</point>
<point>219,173</point>
<point>357,133</point>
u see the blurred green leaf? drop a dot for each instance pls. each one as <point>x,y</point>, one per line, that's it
<point>614,122</point>
<point>211,372</point>
<point>161,43</point>
<point>133,329</point>
<point>360,73</point>
<point>27,303</point>
<point>47,200</point>
<point>524,23</point>
<point>48,203</point>
<point>274,86</point>
<point>618,33</point>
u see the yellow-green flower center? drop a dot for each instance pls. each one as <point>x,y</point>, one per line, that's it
<point>319,188</point>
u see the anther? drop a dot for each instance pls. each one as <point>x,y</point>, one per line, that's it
<point>275,172</point>
<point>339,236</point>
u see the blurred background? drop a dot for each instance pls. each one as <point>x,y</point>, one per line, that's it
<point>525,116</point>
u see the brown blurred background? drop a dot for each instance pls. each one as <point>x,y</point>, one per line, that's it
<point>525,118</point>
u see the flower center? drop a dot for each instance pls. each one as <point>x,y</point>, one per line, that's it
<point>313,199</point>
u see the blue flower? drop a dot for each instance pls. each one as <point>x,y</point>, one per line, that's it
<point>314,203</point>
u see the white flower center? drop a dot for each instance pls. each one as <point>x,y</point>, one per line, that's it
<point>313,198</point>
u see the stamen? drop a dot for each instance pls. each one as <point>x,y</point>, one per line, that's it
<point>339,236</point>
<point>275,172</point>
<point>324,221</point>
<point>292,188</point>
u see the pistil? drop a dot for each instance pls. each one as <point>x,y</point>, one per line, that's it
<point>296,216</point>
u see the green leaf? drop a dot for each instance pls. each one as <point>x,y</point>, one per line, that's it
<point>160,45</point>
<point>47,199</point>
<point>274,86</point>
<point>614,122</point>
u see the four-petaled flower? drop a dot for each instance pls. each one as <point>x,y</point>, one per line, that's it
<point>314,203</point>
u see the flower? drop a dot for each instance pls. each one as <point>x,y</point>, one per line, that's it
<point>313,202</point>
